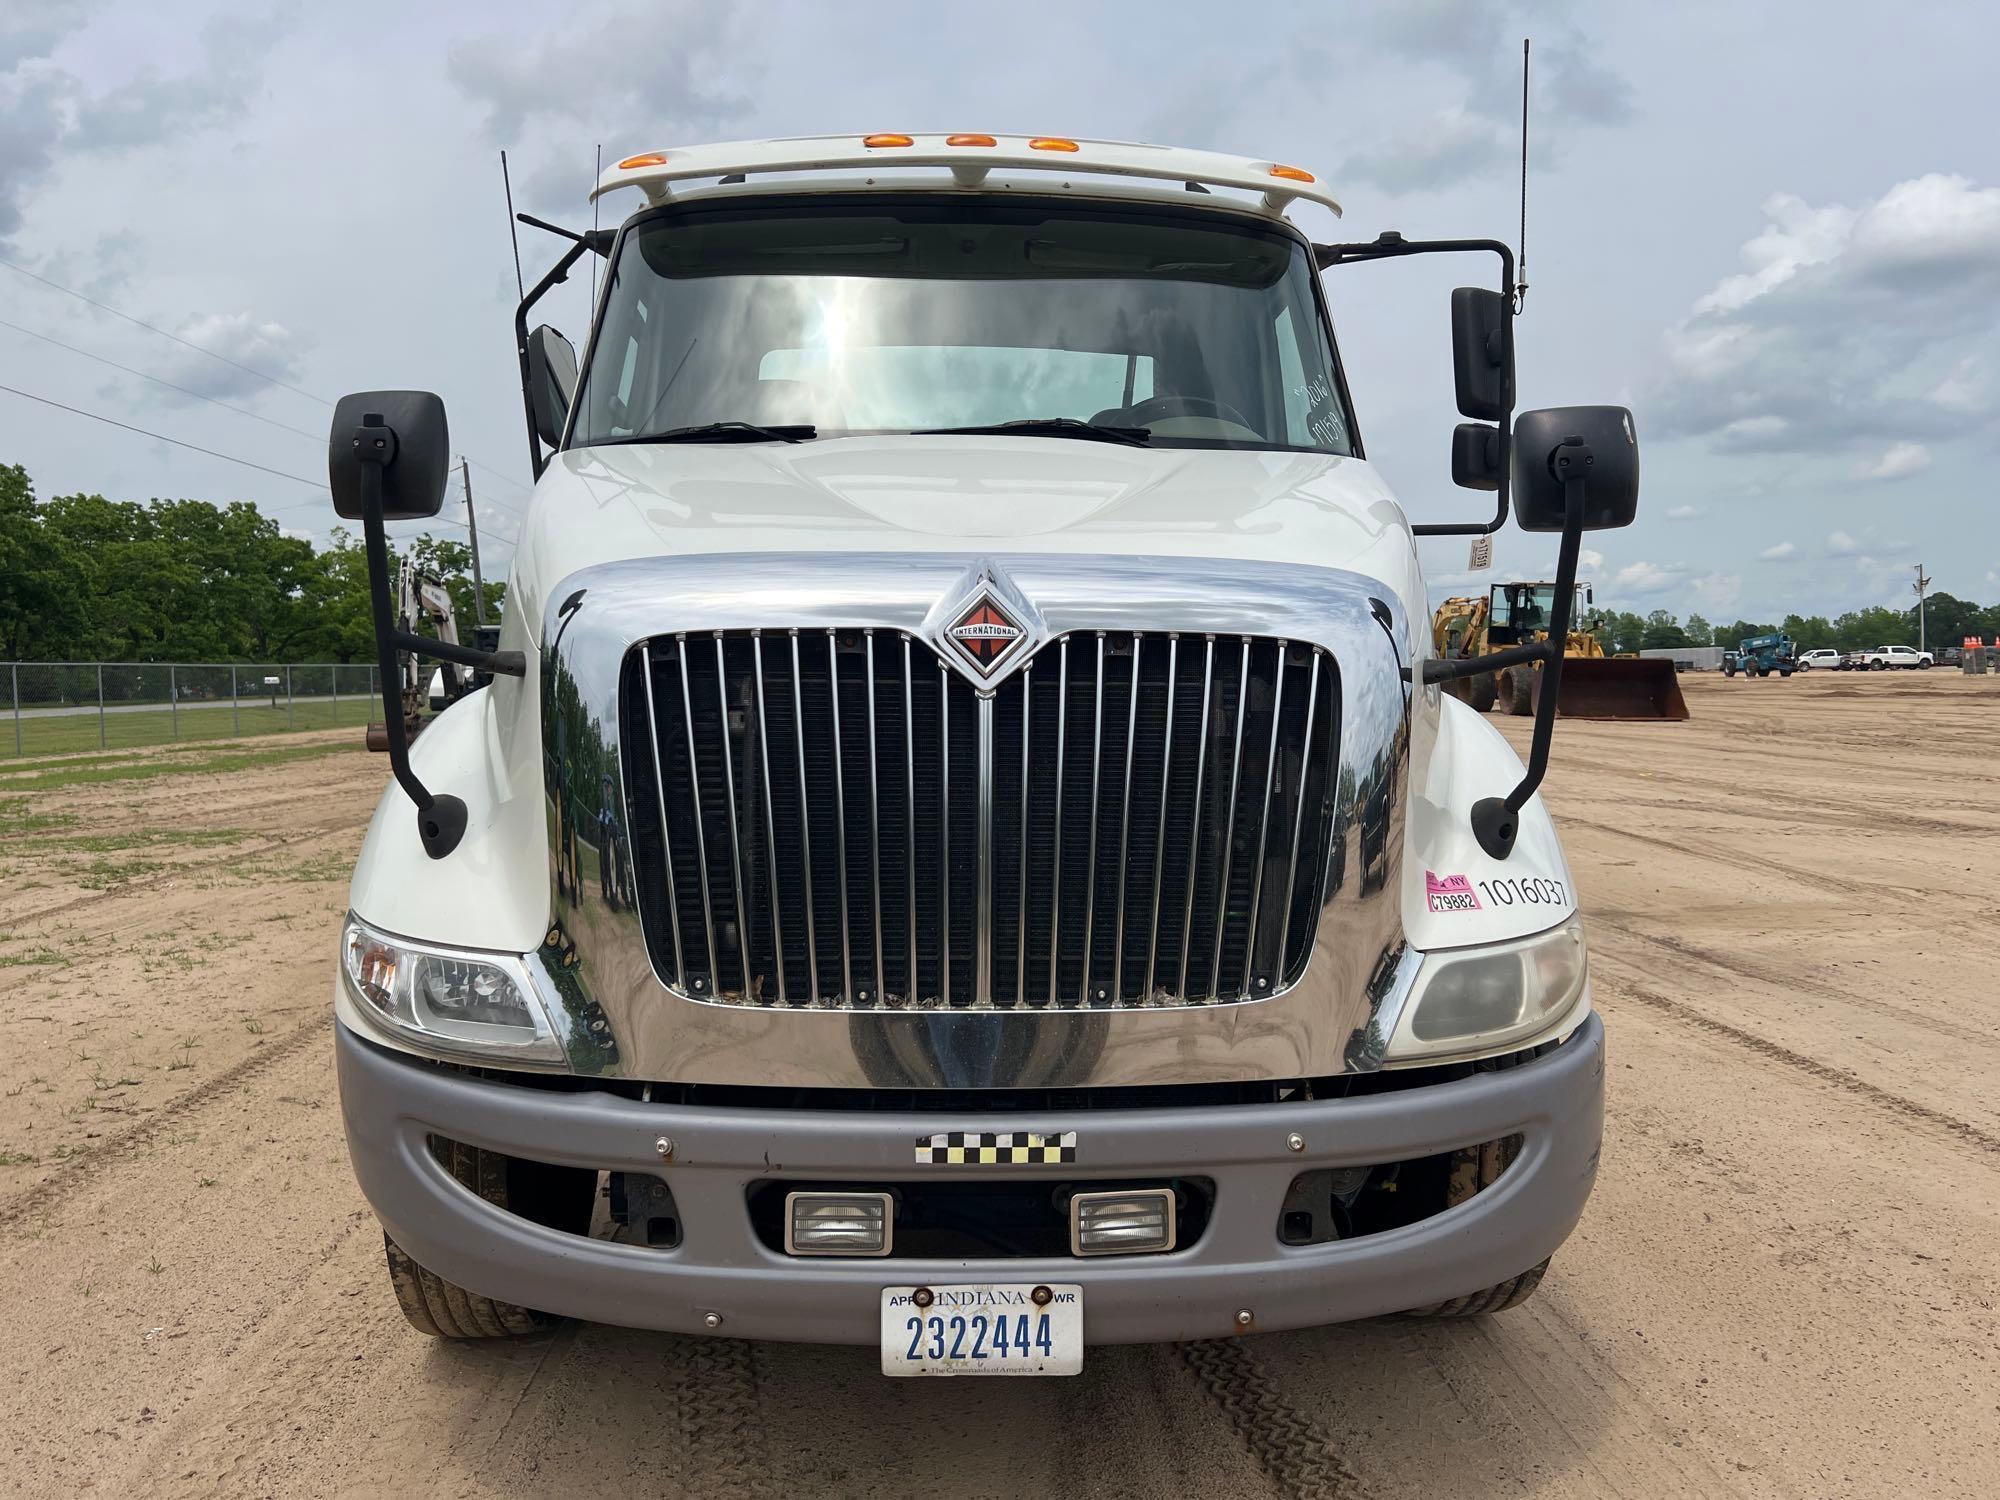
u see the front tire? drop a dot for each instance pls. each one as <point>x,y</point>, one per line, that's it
<point>1483,692</point>
<point>1473,1169</point>
<point>1923,666</point>
<point>1520,697</point>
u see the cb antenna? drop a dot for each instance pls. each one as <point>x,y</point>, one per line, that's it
<point>520,287</point>
<point>1521,249</point>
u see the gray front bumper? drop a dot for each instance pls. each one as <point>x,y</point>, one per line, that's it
<point>392,1102</point>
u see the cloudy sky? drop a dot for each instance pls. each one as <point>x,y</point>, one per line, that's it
<point>1773,230</point>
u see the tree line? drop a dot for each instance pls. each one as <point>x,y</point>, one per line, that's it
<point>83,578</point>
<point>1947,621</point>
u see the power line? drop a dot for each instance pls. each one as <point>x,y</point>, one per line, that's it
<point>243,411</point>
<point>185,343</point>
<point>228,458</point>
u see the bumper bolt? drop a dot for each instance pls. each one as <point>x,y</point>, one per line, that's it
<point>1295,1142</point>
<point>1243,1318</point>
<point>665,1146</point>
<point>711,1320</point>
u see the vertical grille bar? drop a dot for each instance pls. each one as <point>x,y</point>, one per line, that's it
<point>1055,882</point>
<point>1229,834</point>
<point>982,955</point>
<point>729,799</point>
<point>805,819</point>
<point>1298,821</point>
<point>1194,816</point>
<point>1090,870</point>
<point>911,994</point>
<point>1166,784</point>
<point>1125,819</point>
<point>1021,897</point>
<point>944,801</point>
<point>840,819</point>
<point>700,838</point>
<point>874,818</point>
<point>1264,824</point>
<point>770,820</point>
<point>666,839</point>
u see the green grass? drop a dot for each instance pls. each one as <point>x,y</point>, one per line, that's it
<point>42,776</point>
<point>54,734</point>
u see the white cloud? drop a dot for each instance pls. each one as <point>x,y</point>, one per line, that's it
<point>1718,591</point>
<point>1783,552</point>
<point>1590,557</point>
<point>1648,577</point>
<point>1901,461</point>
<point>1684,513</point>
<point>1840,544</point>
<point>241,337</point>
<point>1850,329</point>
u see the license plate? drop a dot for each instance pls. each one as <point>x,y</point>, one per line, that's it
<point>982,1328</point>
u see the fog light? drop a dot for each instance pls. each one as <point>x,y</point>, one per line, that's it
<point>1127,1223</point>
<point>838,1223</point>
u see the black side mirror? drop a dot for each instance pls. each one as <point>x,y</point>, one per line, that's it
<point>1482,354</point>
<point>1475,456</point>
<point>412,435</point>
<point>551,382</point>
<point>1559,444</point>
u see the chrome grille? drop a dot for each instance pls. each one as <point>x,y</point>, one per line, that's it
<point>838,818</point>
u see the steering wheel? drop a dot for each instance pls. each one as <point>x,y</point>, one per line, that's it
<point>1142,413</point>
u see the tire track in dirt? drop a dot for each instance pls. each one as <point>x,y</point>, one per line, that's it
<point>1754,864</point>
<point>1294,1451</point>
<point>1789,983</point>
<point>85,1165</point>
<point>150,882</point>
<point>1896,1105</point>
<point>722,1449</point>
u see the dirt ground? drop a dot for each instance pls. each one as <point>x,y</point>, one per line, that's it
<point>1785,1284</point>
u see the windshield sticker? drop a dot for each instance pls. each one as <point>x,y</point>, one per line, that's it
<point>1451,892</point>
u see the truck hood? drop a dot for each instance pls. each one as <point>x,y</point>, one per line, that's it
<point>959,494</point>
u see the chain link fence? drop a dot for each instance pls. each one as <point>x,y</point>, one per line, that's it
<point>53,707</point>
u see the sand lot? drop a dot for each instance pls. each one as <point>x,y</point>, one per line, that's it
<point>1785,1284</point>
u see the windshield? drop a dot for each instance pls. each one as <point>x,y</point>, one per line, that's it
<point>919,315</point>
<point>1525,606</point>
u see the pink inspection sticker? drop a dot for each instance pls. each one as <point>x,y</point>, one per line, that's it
<point>1451,892</point>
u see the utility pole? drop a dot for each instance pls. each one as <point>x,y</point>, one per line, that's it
<point>1921,584</point>
<point>472,525</point>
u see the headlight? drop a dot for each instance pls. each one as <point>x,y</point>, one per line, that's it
<point>1470,1000</point>
<point>447,1002</point>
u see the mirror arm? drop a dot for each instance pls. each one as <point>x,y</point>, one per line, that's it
<point>1496,820</point>
<point>500,663</point>
<point>557,274</point>
<point>599,240</point>
<point>440,817</point>
<point>1390,245</point>
<point>1451,668</point>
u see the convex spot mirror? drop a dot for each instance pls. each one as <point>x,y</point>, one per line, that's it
<point>1475,456</point>
<point>413,479</point>
<point>1482,354</point>
<point>551,382</point>
<point>1543,463</point>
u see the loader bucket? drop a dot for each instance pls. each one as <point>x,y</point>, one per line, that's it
<point>1618,687</point>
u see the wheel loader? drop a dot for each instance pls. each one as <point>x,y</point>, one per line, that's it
<point>1594,686</point>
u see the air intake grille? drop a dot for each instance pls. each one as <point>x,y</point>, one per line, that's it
<point>834,818</point>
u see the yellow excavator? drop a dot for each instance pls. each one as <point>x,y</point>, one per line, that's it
<point>1594,686</point>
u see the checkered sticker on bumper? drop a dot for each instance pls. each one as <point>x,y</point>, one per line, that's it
<point>1006,1148</point>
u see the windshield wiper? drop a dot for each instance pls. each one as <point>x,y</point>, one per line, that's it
<point>723,432</point>
<point>1138,437</point>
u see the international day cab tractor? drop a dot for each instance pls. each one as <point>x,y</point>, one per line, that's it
<point>963,847</point>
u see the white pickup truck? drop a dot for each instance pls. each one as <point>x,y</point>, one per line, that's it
<point>965,849</point>
<point>1881,658</point>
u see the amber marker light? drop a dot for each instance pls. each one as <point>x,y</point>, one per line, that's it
<point>872,141</point>
<point>644,159</point>
<point>1293,174</point>
<point>1051,143</point>
<point>970,140</point>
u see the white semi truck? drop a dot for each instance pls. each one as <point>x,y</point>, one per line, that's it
<point>964,849</point>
